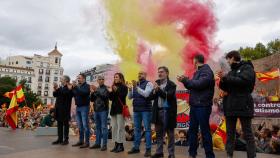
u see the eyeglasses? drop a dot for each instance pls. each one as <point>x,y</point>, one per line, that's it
<point>100,79</point>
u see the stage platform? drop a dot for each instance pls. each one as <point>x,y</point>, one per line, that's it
<point>25,144</point>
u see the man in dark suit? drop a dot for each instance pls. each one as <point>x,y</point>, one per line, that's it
<point>164,111</point>
<point>63,95</point>
<point>201,88</point>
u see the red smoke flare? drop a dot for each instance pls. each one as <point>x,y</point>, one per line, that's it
<point>198,27</point>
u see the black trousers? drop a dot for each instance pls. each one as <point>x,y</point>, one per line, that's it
<point>246,125</point>
<point>63,130</point>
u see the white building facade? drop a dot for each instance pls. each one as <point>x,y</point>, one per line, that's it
<point>46,70</point>
<point>18,73</point>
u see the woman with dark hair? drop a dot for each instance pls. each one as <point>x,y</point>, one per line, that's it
<point>117,94</point>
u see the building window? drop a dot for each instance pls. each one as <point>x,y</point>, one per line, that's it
<point>46,93</point>
<point>56,60</point>
<point>28,62</point>
<point>56,72</point>
<point>39,85</point>
<point>41,64</point>
<point>39,93</point>
<point>40,79</point>
<point>47,79</point>
<point>45,101</point>
<point>29,80</point>
<point>48,72</point>
<point>41,71</point>
<point>61,72</point>
<point>55,79</point>
<point>46,86</point>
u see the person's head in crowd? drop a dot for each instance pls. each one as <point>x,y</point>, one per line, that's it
<point>127,128</point>
<point>265,133</point>
<point>182,134</point>
<point>81,78</point>
<point>198,60</point>
<point>65,80</point>
<point>119,79</point>
<point>275,130</point>
<point>233,57</point>
<point>52,112</point>
<point>163,73</point>
<point>100,80</point>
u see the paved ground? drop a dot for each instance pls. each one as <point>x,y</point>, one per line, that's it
<point>24,144</point>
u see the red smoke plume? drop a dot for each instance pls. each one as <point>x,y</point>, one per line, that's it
<point>198,25</point>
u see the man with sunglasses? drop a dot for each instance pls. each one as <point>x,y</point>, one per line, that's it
<point>100,98</point>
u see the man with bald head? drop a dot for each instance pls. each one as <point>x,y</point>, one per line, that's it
<point>142,111</point>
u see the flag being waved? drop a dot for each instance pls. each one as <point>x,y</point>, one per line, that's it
<point>11,113</point>
<point>16,96</point>
<point>19,94</point>
<point>267,76</point>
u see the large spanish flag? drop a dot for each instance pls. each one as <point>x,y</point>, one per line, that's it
<point>267,76</point>
<point>19,94</point>
<point>11,113</point>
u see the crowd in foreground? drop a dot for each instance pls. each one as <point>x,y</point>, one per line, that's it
<point>155,103</point>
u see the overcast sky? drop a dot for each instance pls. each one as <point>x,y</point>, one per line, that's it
<point>32,26</point>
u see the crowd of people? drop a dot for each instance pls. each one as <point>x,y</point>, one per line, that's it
<point>154,103</point>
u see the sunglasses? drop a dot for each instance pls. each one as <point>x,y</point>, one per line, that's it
<point>100,79</point>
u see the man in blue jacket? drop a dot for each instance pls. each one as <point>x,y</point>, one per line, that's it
<point>201,88</point>
<point>82,99</point>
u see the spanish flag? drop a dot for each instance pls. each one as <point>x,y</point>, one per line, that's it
<point>267,76</point>
<point>11,113</point>
<point>19,94</point>
<point>9,94</point>
<point>221,131</point>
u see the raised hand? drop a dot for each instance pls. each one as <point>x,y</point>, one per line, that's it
<point>134,83</point>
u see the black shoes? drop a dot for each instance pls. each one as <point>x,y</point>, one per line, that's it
<point>84,146</point>
<point>120,148</point>
<point>95,146</point>
<point>171,156</point>
<point>134,151</point>
<point>148,153</point>
<point>65,142</point>
<point>56,142</point>
<point>104,148</point>
<point>78,144</point>
<point>157,156</point>
<point>115,147</point>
